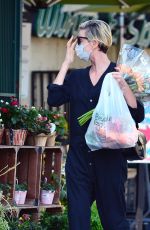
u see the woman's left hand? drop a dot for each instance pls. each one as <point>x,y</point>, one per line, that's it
<point>127,92</point>
<point>119,78</point>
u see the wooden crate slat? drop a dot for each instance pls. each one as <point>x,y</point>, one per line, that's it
<point>32,174</point>
<point>22,169</point>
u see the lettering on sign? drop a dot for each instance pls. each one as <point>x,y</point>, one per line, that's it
<point>53,22</point>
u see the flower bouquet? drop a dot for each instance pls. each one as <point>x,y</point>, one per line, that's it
<point>134,65</point>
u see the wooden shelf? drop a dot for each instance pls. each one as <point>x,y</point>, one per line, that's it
<point>28,205</point>
<point>36,162</point>
<point>29,147</point>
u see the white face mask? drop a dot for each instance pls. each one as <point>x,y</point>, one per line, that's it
<point>81,53</point>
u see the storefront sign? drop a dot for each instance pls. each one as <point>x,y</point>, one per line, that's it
<point>141,36</point>
<point>53,22</point>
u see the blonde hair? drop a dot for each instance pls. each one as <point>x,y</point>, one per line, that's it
<point>100,31</point>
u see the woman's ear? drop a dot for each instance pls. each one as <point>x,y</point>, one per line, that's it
<point>95,43</point>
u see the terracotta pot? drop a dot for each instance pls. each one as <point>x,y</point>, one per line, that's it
<point>51,139</point>
<point>20,197</point>
<point>47,197</point>
<point>40,139</point>
<point>15,136</point>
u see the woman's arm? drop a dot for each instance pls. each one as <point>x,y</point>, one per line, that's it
<point>138,114</point>
<point>127,92</point>
<point>69,58</point>
<point>135,106</point>
<point>59,90</point>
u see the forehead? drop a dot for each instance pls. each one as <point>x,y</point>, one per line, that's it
<point>82,32</point>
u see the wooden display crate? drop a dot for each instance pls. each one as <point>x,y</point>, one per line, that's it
<point>35,162</point>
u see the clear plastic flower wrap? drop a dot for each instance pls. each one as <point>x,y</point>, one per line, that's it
<point>134,64</point>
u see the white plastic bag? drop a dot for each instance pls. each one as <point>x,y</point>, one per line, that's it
<point>111,125</point>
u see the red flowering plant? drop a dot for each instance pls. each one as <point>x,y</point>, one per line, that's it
<point>13,114</point>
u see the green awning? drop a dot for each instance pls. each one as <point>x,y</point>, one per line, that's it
<point>106,2</point>
<point>111,5</point>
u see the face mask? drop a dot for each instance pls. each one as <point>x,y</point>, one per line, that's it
<point>81,53</point>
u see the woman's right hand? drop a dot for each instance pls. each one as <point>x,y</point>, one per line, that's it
<point>69,58</point>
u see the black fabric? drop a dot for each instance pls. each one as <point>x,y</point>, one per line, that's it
<point>90,175</point>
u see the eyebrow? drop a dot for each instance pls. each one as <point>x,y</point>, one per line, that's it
<point>78,37</point>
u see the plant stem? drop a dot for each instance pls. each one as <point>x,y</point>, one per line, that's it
<point>85,117</point>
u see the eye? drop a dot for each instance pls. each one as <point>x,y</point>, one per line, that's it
<point>80,38</point>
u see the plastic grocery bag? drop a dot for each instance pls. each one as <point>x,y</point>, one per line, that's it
<point>111,125</point>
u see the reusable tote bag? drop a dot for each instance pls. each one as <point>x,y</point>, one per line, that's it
<point>111,125</point>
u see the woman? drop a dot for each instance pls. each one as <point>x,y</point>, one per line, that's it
<point>98,175</point>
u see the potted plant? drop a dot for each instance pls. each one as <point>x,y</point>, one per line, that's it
<point>20,193</point>
<point>38,126</point>
<point>48,190</point>
<point>57,118</point>
<point>13,116</point>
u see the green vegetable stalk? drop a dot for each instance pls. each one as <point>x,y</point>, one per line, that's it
<point>85,117</point>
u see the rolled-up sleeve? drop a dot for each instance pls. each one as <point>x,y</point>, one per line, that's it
<point>59,94</point>
<point>138,113</point>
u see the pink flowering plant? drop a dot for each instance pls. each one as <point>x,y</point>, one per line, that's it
<point>37,123</point>
<point>59,119</point>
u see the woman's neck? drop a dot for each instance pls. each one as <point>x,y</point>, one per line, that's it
<point>100,62</point>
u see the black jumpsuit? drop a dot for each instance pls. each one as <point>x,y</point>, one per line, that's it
<point>98,175</point>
